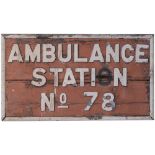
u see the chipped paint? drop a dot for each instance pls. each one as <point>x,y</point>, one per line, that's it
<point>29,109</point>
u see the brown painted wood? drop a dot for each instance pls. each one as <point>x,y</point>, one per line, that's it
<point>27,100</point>
<point>22,99</point>
<point>135,70</point>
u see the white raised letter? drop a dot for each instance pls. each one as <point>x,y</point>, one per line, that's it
<point>15,54</point>
<point>76,55</point>
<point>48,53</point>
<point>69,78</point>
<point>82,71</point>
<point>139,53</point>
<point>41,78</point>
<point>121,77</point>
<point>96,54</point>
<point>56,77</point>
<point>32,55</point>
<point>93,77</point>
<point>49,102</point>
<point>123,53</point>
<point>110,51</point>
<point>60,53</point>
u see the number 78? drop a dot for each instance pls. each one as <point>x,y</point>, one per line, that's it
<point>108,103</point>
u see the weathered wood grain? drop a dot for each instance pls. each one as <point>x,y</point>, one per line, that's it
<point>24,100</point>
<point>24,70</point>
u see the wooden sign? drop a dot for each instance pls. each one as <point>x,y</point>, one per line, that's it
<point>77,77</point>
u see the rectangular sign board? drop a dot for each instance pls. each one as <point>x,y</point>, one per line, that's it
<point>77,77</point>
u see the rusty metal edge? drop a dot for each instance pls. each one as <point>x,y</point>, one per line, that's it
<point>147,36</point>
<point>2,77</point>
<point>128,36</point>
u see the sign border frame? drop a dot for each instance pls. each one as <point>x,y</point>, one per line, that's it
<point>104,36</point>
